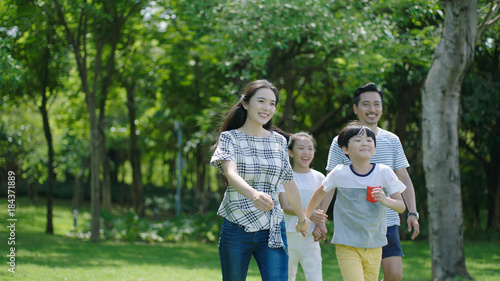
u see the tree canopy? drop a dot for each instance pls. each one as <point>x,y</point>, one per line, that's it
<point>127,76</point>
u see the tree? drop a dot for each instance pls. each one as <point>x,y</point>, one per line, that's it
<point>104,22</point>
<point>480,133</point>
<point>39,49</point>
<point>440,121</point>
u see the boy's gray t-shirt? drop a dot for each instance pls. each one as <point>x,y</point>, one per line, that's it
<point>357,222</point>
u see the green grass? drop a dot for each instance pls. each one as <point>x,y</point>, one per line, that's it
<point>57,257</point>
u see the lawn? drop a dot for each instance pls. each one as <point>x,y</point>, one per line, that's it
<point>58,257</point>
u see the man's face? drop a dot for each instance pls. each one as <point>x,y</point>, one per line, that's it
<point>369,108</point>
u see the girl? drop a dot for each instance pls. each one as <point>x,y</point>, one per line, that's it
<point>253,159</point>
<point>301,149</point>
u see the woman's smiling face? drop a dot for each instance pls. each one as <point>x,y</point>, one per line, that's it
<point>261,107</point>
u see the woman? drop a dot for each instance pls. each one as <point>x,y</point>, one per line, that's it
<point>254,160</point>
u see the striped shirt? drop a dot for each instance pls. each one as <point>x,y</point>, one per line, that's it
<point>389,151</point>
<point>263,163</point>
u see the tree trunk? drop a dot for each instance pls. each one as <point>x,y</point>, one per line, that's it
<point>32,192</point>
<point>106,83</point>
<point>80,52</point>
<point>50,164</point>
<point>135,155</point>
<point>78,192</point>
<point>44,88</point>
<point>106,176</point>
<point>95,139</point>
<point>440,116</point>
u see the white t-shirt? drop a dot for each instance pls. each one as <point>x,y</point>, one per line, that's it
<point>307,183</point>
<point>357,222</point>
<point>389,151</point>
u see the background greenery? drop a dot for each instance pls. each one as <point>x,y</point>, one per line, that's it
<point>179,65</point>
<point>189,60</point>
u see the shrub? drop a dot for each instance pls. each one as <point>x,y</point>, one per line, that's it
<point>130,227</point>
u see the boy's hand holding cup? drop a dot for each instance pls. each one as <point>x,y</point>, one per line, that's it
<point>369,193</point>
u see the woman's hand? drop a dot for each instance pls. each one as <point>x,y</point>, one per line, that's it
<point>262,201</point>
<point>303,227</point>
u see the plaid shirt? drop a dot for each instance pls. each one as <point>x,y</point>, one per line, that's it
<point>263,163</point>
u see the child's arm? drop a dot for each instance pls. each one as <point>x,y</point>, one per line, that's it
<point>318,216</point>
<point>394,202</point>
<point>318,195</point>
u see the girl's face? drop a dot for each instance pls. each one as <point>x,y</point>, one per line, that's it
<point>261,107</point>
<point>302,153</point>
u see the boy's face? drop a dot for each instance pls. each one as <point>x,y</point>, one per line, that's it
<point>360,147</point>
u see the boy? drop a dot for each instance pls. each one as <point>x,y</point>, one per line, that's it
<point>360,225</point>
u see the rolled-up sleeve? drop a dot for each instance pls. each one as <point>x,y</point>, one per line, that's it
<point>287,174</point>
<point>224,151</point>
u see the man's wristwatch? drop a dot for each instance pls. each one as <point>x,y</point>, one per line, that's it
<point>414,214</point>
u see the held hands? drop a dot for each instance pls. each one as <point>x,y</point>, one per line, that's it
<point>262,201</point>
<point>302,227</point>
<point>319,232</point>
<point>319,217</point>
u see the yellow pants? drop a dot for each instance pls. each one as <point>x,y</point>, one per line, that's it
<point>358,264</point>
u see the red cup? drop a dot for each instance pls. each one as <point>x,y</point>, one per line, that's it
<point>369,190</point>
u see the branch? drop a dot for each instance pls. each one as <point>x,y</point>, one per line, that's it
<point>463,143</point>
<point>495,7</point>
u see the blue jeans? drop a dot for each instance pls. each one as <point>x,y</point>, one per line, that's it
<point>237,246</point>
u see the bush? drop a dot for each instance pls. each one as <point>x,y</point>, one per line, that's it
<point>132,228</point>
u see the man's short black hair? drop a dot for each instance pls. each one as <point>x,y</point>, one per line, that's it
<point>354,128</point>
<point>370,87</point>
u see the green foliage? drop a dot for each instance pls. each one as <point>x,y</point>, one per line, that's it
<point>11,69</point>
<point>187,61</point>
<point>130,227</point>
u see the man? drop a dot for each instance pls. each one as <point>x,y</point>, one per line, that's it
<point>367,104</point>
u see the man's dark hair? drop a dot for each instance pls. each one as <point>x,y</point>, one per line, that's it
<point>370,87</point>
